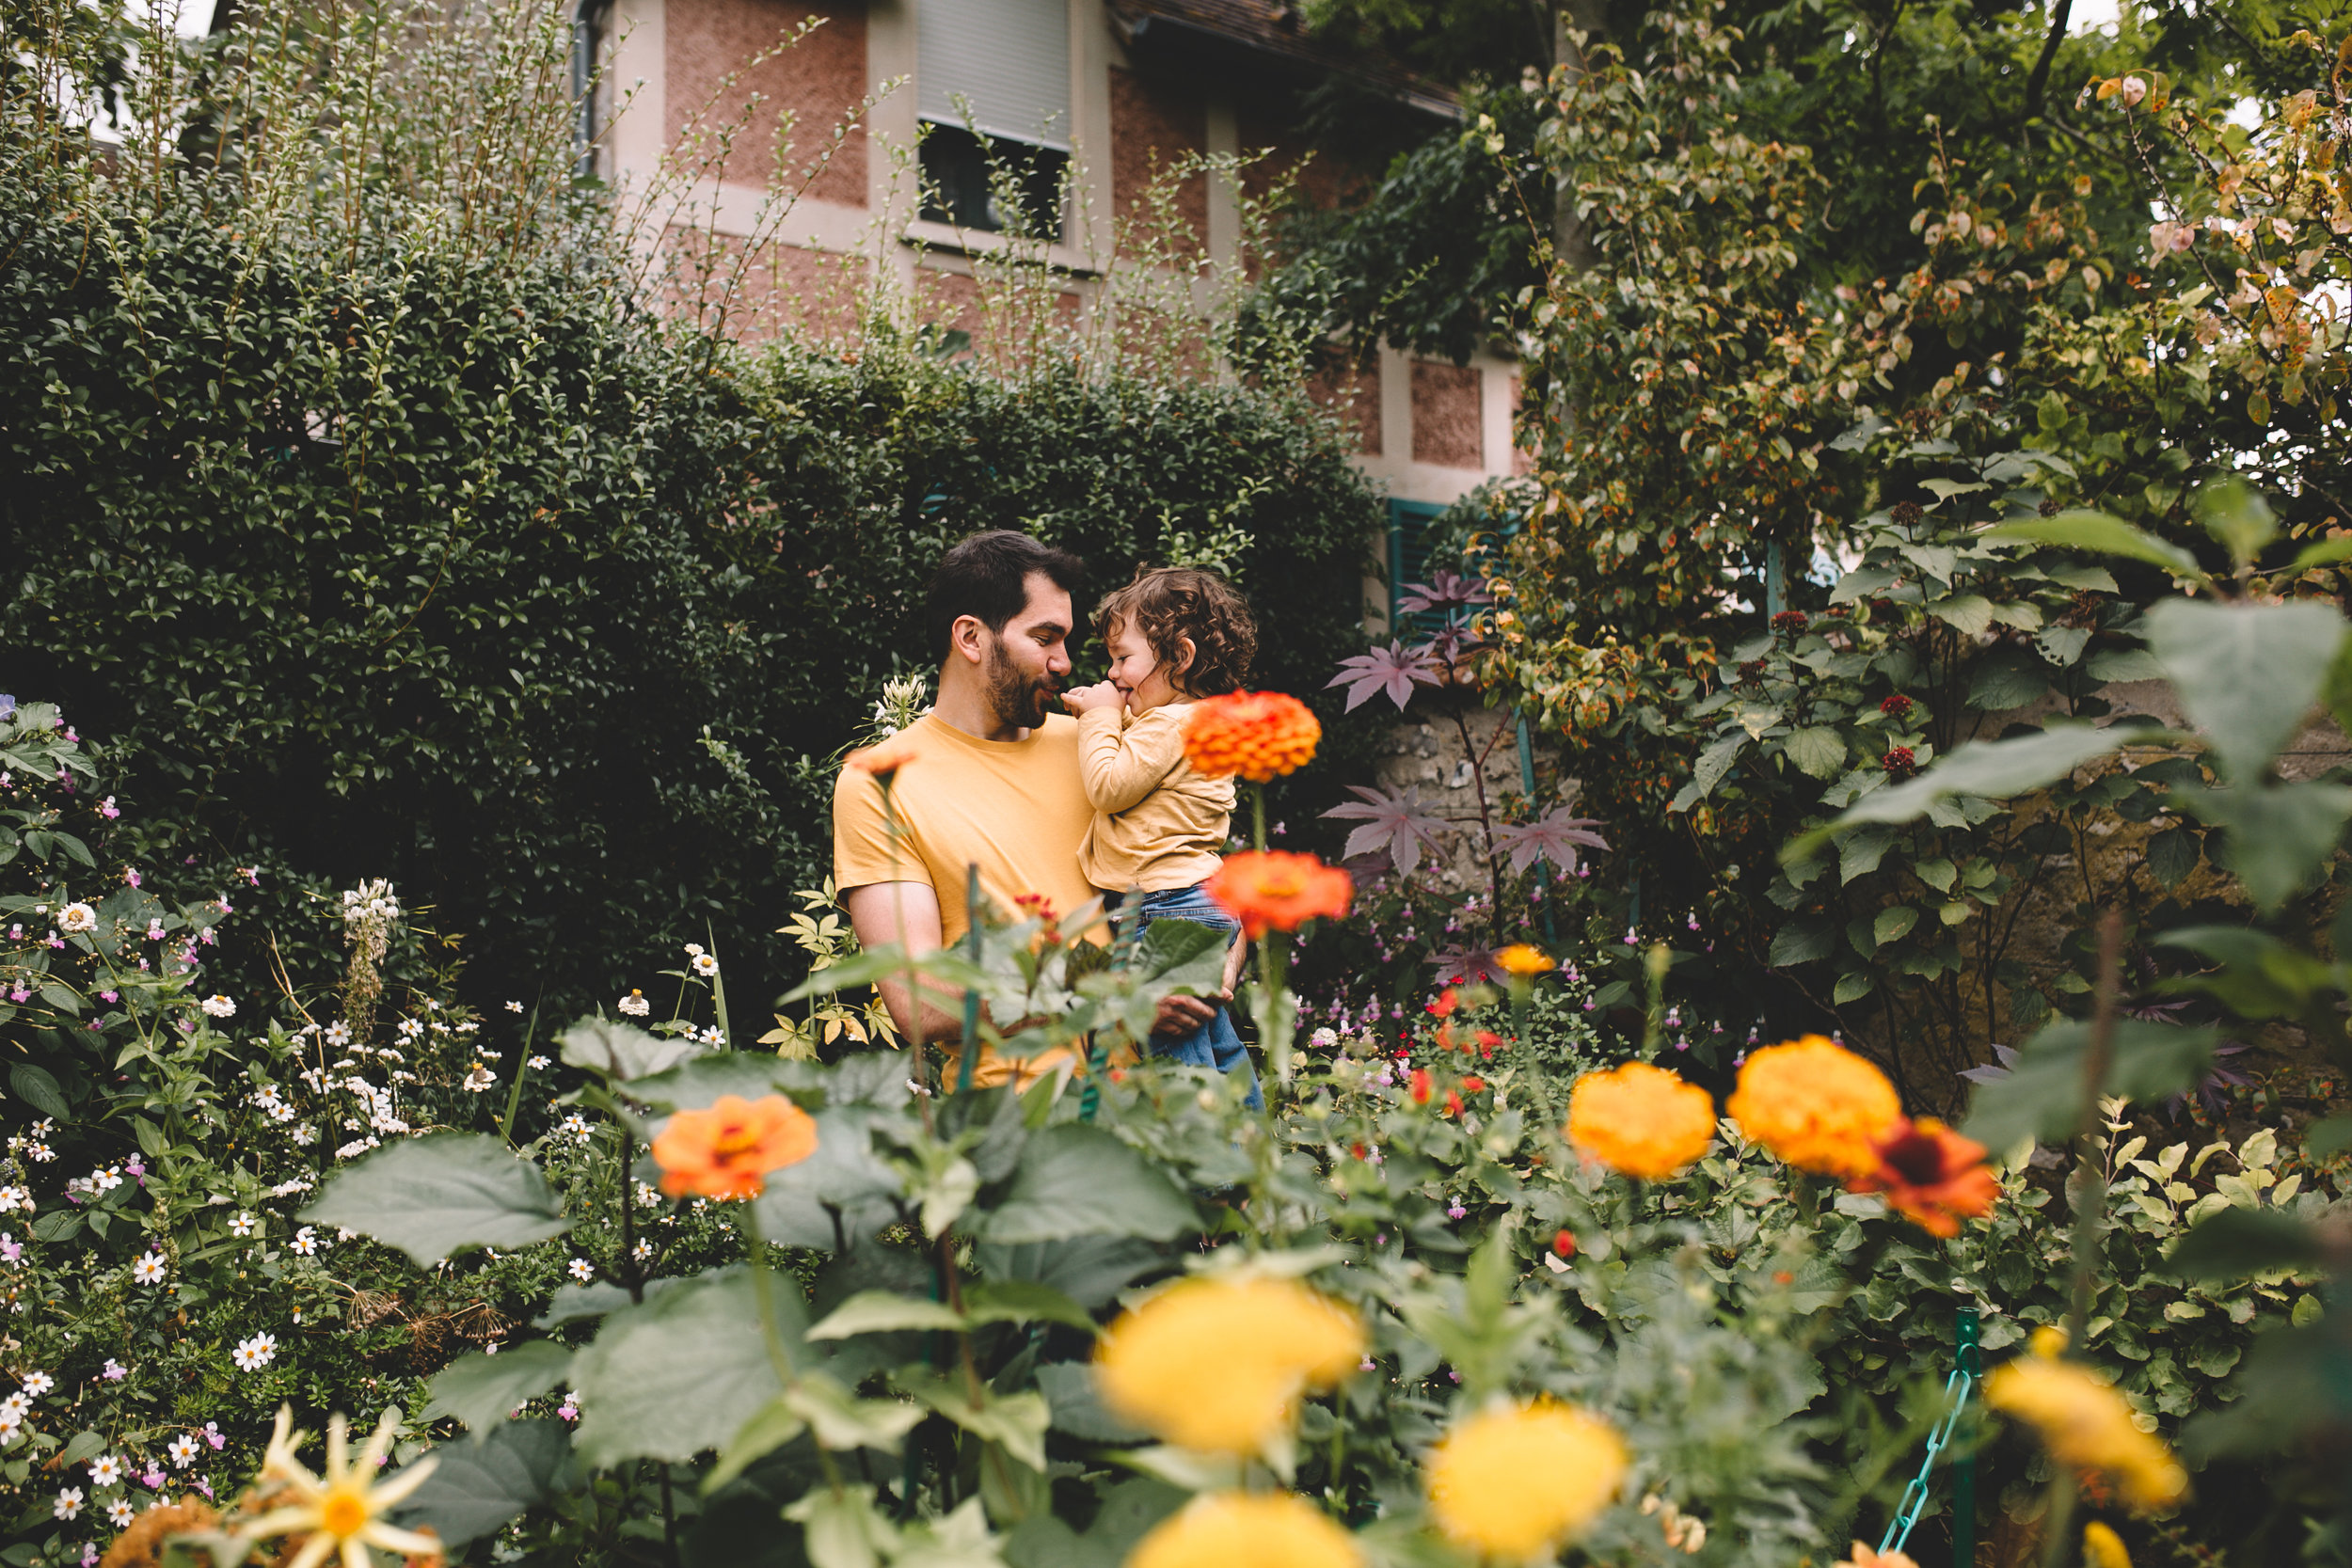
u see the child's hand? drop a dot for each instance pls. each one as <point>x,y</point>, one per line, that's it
<point>1101,695</point>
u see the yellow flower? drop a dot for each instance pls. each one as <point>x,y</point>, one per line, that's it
<point>1239,1529</point>
<point>1522,960</point>
<point>1641,1120</point>
<point>342,1511</point>
<point>1516,1481</point>
<point>2103,1547</point>
<point>1816,1105</point>
<point>2085,1423</point>
<point>1218,1365</point>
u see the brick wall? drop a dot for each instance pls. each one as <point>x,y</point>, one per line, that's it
<point>820,79</point>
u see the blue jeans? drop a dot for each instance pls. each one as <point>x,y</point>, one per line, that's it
<point>1214,1043</point>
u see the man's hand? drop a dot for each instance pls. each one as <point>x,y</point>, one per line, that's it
<point>1101,695</point>
<point>1181,1015</point>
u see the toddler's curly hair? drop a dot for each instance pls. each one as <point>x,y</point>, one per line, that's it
<point>1171,603</point>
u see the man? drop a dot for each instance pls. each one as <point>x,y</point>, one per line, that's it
<point>992,779</point>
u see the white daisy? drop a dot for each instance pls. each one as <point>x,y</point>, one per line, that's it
<point>411,1027</point>
<point>514,1007</point>
<point>217,1006</point>
<point>69,1503</point>
<point>252,1355</point>
<point>182,1450</point>
<point>582,1269</point>
<point>119,1512</point>
<point>149,1270</point>
<point>241,1224</point>
<point>306,1243</point>
<point>338,1035</point>
<point>76,918</point>
<point>39,1383</point>
<point>106,1470</point>
<point>705,964</point>
<point>342,1511</point>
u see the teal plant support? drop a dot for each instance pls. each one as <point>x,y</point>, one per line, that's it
<point>971,997</point>
<point>1956,1389</point>
<point>1964,1465</point>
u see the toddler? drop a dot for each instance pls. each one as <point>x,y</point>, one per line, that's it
<point>1174,634</point>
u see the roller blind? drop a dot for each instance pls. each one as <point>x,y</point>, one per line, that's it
<point>1007,59</point>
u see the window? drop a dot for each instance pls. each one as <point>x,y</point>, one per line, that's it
<point>993,86</point>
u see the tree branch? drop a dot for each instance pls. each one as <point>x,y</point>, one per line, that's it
<point>2041,77</point>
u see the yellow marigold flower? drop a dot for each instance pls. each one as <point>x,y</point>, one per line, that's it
<point>1639,1120</point>
<point>1522,960</point>
<point>1257,735</point>
<point>2085,1423</point>
<point>2103,1547</point>
<point>1816,1105</point>
<point>1240,1530</point>
<point>1516,1481</point>
<point>1218,1365</point>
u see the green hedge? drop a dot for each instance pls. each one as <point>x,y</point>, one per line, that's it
<point>367,561</point>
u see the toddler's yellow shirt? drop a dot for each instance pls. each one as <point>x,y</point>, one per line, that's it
<point>1158,824</point>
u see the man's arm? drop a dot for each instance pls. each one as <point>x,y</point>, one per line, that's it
<point>886,914</point>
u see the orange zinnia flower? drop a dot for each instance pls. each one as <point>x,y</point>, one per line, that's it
<point>884,760</point>
<point>1257,735</point>
<point>1273,890</point>
<point>728,1150</point>
<point>1932,1174</point>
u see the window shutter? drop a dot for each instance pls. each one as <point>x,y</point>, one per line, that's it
<point>1007,59</point>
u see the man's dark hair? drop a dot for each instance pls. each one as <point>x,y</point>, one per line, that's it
<point>987,577</point>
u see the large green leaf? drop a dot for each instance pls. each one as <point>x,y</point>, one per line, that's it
<point>1080,1180</point>
<point>839,1195</point>
<point>621,1052</point>
<point>1995,769</point>
<point>2007,679</point>
<point>683,1372</point>
<point>2257,975</point>
<point>477,1487</point>
<point>2236,1243</point>
<point>2247,674</point>
<point>885,1312</point>
<point>429,1196</point>
<point>2097,532</point>
<point>699,1081</point>
<point>1816,750</point>
<point>2275,836</point>
<point>481,1390</point>
<point>2042,1094</point>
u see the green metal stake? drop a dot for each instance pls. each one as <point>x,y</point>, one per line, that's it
<point>1964,1466</point>
<point>971,997</point>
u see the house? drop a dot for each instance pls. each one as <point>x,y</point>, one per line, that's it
<point>1117,91</point>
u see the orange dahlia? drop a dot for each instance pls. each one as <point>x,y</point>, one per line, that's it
<point>1273,890</point>
<point>1640,1121</point>
<point>728,1150</point>
<point>884,759</point>
<point>1259,735</point>
<point>1816,1105</point>
<point>1932,1174</point>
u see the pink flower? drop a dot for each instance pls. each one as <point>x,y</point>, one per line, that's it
<point>153,1478</point>
<point>130,876</point>
<point>20,994</point>
<point>109,996</point>
<point>212,1435</point>
<point>108,810</point>
<point>136,1169</point>
<point>114,1371</point>
<point>204,1483</point>
<point>10,1249</point>
<point>569,1411</point>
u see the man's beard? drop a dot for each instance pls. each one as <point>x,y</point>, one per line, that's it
<point>1018,699</point>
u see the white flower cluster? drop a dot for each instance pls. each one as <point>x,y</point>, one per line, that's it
<point>411,1028</point>
<point>704,964</point>
<point>901,704</point>
<point>29,1144</point>
<point>105,1179</point>
<point>252,1355</point>
<point>371,900</point>
<point>300,1183</point>
<point>217,1006</point>
<point>356,1146</point>
<point>635,1005</point>
<point>479,1079</point>
<point>266,1100</point>
<point>306,1243</point>
<point>14,1198</point>
<point>577,1125</point>
<point>76,919</point>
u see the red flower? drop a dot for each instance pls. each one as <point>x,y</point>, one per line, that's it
<point>1563,1245</point>
<point>1900,763</point>
<point>1932,1174</point>
<point>1453,1104</point>
<point>1488,1042</point>
<point>1357,1149</point>
<point>1790,621</point>
<point>1445,1004</point>
<point>1472,1085</point>
<point>1421,1085</point>
<point>1896,707</point>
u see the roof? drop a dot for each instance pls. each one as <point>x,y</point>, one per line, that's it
<point>1263,37</point>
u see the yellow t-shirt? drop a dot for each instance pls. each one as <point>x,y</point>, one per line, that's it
<point>1014,808</point>
<point>1158,824</point>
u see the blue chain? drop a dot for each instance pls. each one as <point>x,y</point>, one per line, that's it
<point>1956,1390</point>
